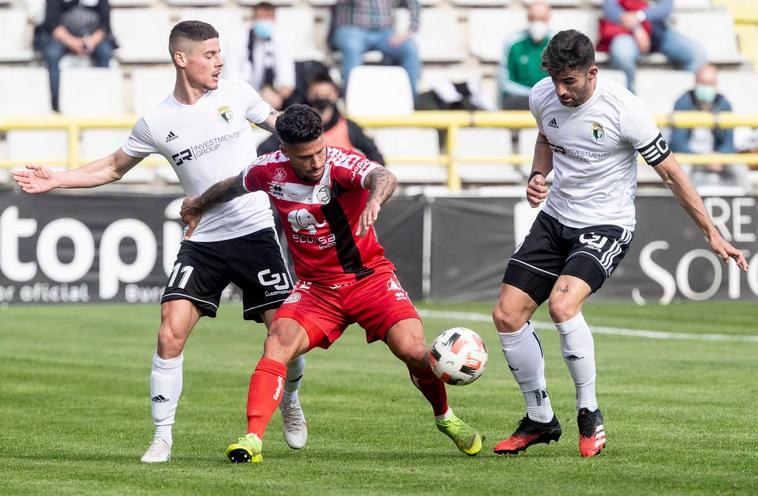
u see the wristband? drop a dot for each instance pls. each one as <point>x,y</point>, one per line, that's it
<point>534,173</point>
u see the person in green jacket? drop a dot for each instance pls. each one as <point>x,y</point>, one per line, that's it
<point>520,68</point>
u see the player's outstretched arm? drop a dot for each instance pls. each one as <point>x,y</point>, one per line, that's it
<point>223,191</point>
<point>381,184</point>
<point>40,179</point>
<point>270,123</point>
<point>679,184</point>
<point>542,164</point>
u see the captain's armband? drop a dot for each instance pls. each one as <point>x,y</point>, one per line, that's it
<point>656,151</point>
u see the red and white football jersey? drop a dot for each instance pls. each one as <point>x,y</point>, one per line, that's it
<point>320,218</point>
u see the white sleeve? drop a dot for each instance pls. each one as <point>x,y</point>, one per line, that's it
<point>257,109</point>
<point>140,142</point>
<point>535,105</point>
<point>640,130</point>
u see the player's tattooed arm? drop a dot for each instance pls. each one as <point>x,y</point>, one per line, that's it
<point>270,123</point>
<point>381,184</point>
<point>223,191</point>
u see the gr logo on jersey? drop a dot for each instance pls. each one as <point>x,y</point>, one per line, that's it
<point>181,157</point>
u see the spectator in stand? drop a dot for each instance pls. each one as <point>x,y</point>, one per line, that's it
<point>630,28</point>
<point>363,25</point>
<point>521,66</point>
<point>704,97</point>
<point>268,65</point>
<point>80,27</point>
<point>322,94</point>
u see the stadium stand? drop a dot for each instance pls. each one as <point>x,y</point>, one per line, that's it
<point>715,31</point>
<point>440,37</point>
<point>379,90</point>
<point>15,36</point>
<point>420,144</point>
<point>150,85</point>
<point>92,91</point>
<point>459,40</point>
<point>25,145</point>
<point>488,143</point>
<point>25,90</point>
<point>300,25</point>
<point>145,45</point>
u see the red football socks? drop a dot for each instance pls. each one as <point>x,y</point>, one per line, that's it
<point>264,394</point>
<point>431,387</point>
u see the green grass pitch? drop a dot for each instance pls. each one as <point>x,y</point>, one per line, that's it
<point>75,416</point>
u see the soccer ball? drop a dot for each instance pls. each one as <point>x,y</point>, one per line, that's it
<point>458,356</point>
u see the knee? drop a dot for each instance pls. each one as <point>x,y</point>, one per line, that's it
<point>171,340</point>
<point>281,343</point>
<point>413,355</point>
<point>507,321</point>
<point>623,51</point>
<point>348,42</point>
<point>562,309</point>
<point>103,53</point>
<point>53,53</point>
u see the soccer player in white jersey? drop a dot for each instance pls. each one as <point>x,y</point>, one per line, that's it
<point>590,131</point>
<point>202,129</point>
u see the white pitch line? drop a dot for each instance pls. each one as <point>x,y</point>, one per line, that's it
<point>616,331</point>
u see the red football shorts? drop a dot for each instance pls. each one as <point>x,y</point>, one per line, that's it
<point>376,303</point>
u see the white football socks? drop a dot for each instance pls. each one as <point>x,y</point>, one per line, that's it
<point>523,352</point>
<point>295,371</point>
<point>578,349</point>
<point>165,389</point>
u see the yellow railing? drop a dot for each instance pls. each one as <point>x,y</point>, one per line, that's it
<point>450,121</point>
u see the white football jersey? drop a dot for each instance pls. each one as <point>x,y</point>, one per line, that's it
<point>595,150</point>
<point>206,143</point>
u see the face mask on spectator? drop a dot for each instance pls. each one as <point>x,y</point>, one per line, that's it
<point>263,29</point>
<point>705,93</point>
<point>321,104</point>
<point>537,31</point>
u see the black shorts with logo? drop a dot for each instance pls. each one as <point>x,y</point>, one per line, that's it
<point>551,249</point>
<point>253,262</point>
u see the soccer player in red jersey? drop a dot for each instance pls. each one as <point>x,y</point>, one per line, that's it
<point>330,199</point>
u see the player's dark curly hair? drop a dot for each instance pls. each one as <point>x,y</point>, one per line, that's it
<point>568,50</point>
<point>299,124</point>
<point>190,30</point>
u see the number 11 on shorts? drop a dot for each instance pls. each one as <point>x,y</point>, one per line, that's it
<point>186,273</point>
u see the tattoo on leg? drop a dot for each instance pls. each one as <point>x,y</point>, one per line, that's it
<point>564,289</point>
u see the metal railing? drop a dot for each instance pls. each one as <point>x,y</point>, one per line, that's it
<point>449,121</point>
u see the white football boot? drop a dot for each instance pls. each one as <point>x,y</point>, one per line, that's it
<point>294,427</point>
<point>158,452</point>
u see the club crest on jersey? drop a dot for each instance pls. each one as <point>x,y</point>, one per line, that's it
<point>225,113</point>
<point>597,131</point>
<point>294,297</point>
<point>280,175</point>
<point>322,194</point>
